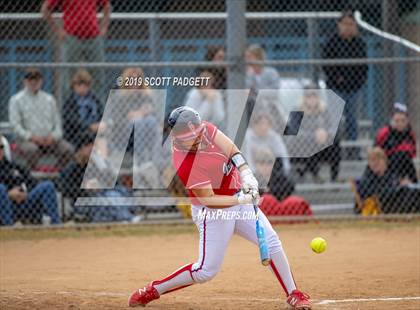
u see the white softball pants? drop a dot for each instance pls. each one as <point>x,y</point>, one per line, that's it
<point>215,234</point>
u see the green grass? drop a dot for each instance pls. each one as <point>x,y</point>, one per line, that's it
<point>171,229</point>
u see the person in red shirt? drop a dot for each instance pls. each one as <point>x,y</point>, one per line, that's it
<point>221,187</point>
<point>398,141</point>
<point>81,36</point>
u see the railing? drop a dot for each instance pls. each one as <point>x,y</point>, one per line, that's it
<point>289,57</point>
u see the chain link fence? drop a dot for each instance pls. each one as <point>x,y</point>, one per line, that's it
<point>326,121</point>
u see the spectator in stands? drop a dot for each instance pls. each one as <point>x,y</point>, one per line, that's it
<point>392,194</point>
<point>399,143</point>
<point>22,197</point>
<point>74,183</point>
<point>347,80</point>
<point>81,36</point>
<point>276,188</point>
<point>207,100</point>
<point>134,105</point>
<point>36,122</point>
<point>259,135</point>
<point>217,53</point>
<point>259,76</point>
<point>270,175</point>
<point>82,110</point>
<point>315,133</point>
<point>262,77</point>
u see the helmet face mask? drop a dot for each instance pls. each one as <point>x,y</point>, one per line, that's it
<point>190,145</point>
<point>187,127</point>
<point>190,132</point>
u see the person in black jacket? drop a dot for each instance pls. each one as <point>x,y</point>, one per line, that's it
<point>78,181</point>
<point>270,175</point>
<point>82,109</point>
<point>395,195</point>
<point>346,80</point>
<point>22,197</point>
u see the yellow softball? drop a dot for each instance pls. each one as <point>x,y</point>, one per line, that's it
<point>318,245</point>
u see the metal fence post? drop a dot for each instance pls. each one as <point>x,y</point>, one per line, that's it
<point>388,6</point>
<point>154,42</point>
<point>236,43</point>
<point>312,37</point>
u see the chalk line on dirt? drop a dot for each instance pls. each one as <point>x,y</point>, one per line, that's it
<point>325,302</point>
<point>317,302</point>
<point>320,302</point>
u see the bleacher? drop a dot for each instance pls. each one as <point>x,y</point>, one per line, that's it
<point>324,197</point>
<point>132,50</point>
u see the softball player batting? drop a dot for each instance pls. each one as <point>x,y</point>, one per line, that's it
<point>213,170</point>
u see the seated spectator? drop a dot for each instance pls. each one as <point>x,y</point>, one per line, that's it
<point>314,134</point>
<point>276,188</point>
<point>265,78</point>
<point>382,190</point>
<point>217,53</point>
<point>22,197</point>
<point>259,135</point>
<point>399,143</point>
<point>133,106</point>
<point>208,101</point>
<point>82,109</point>
<point>270,175</point>
<point>259,76</point>
<point>36,122</point>
<point>72,186</point>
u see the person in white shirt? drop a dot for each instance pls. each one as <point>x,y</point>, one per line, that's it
<point>259,76</point>
<point>207,101</point>
<point>36,122</point>
<point>261,135</point>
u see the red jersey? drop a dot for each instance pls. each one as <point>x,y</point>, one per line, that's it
<point>79,16</point>
<point>393,141</point>
<point>206,166</point>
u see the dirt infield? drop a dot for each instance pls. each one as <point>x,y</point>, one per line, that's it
<point>364,267</point>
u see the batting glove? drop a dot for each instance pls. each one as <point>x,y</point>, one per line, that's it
<point>249,182</point>
<point>245,199</point>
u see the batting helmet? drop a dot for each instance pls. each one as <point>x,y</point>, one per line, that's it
<point>186,123</point>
